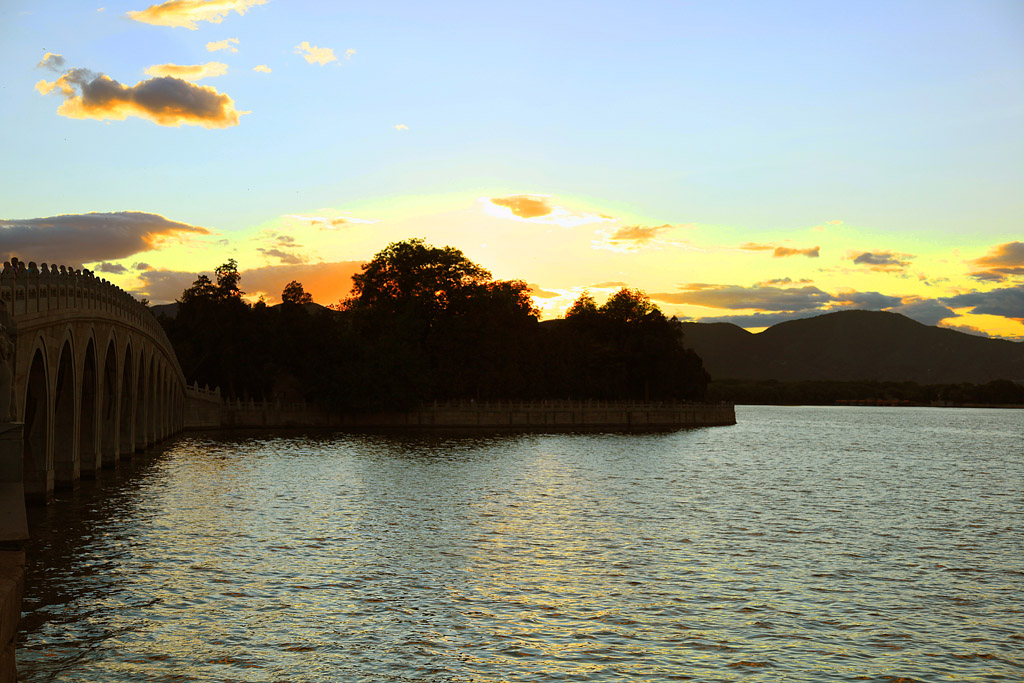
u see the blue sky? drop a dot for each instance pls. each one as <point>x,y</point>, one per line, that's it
<point>888,128</point>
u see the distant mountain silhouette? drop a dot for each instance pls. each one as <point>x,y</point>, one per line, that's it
<point>854,346</point>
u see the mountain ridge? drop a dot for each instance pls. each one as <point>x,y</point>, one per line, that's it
<point>854,345</point>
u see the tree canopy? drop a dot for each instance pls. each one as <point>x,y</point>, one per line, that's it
<point>426,323</point>
<point>294,293</point>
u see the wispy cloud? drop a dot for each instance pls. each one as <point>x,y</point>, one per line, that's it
<point>262,68</point>
<point>1000,263</point>
<point>401,126</point>
<point>53,62</point>
<point>226,44</point>
<point>314,54</point>
<point>882,261</point>
<point>164,100</point>
<point>756,297</point>
<point>189,72</point>
<point>537,292</point>
<point>282,256</point>
<point>782,252</point>
<point>326,222</point>
<point>349,53</point>
<point>632,238</point>
<point>187,13</point>
<point>90,237</point>
<point>112,268</point>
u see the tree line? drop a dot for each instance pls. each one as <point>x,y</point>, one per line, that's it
<point>425,323</point>
<point>824,392</point>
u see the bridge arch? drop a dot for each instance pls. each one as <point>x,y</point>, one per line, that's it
<point>95,377</point>
<point>36,414</point>
<point>109,414</point>
<point>66,466</point>
<point>88,409</point>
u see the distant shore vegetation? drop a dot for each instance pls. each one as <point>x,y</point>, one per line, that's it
<point>824,392</point>
<point>424,324</point>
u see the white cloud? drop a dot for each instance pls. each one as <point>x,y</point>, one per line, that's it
<point>314,54</point>
<point>226,44</point>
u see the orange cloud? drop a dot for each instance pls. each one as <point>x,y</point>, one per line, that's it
<point>1000,263</point>
<point>185,13</point>
<point>538,209</point>
<point>164,100</point>
<point>89,237</point>
<point>193,72</point>
<point>524,206</point>
<point>314,54</point>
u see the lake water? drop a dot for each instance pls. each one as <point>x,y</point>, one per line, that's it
<point>802,544</point>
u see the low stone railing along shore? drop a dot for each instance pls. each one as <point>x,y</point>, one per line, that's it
<point>206,410</point>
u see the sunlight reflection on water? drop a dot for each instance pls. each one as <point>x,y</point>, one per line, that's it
<point>801,544</point>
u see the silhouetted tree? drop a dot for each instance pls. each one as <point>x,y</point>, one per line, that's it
<point>228,278</point>
<point>294,294</point>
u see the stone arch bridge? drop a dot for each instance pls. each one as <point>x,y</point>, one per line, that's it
<point>90,374</point>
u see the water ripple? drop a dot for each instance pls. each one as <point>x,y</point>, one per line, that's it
<point>803,544</point>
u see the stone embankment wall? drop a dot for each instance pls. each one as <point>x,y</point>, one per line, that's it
<point>13,534</point>
<point>202,413</point>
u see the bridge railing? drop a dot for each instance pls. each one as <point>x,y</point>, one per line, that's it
<point>29,289</point>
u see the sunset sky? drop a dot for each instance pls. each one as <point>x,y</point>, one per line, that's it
<point>746,162</point>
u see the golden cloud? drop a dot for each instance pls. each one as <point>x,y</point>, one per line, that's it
<point>524,206</point>
<point>314,54</point>
<point>185,13</point>
<point>226,44</point>
<point>538,209</point>
<point>262,68</point>
<point>1000,263</point>
<point>90,237</point>
<point>350,52</point>
<point>164,100</point>
<point>401,126</point>
<point>189,72</point>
